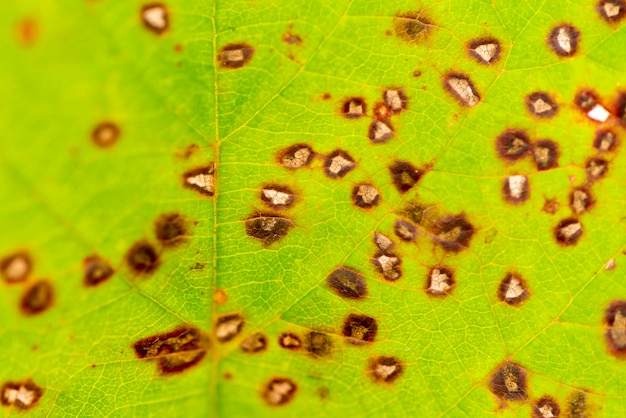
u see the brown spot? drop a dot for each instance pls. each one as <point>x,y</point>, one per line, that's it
<point>338,163</point>
<point>382,112</point>
<point>404,175</point>
<point>290,341</point>
<point>380,132</point>
<point>347,283</point>
<point>96,270</point>
<point>405,230</point>
<point>359,328</point>
<point>611,10</point>
<point>413,27</point>
<point>615,319</point>
<point>509,382</point>
<point>546,407</point>
<point>37,298</point>
<point>178,48</point>
<point>440,281</point>
<point>546,154</point>
<point>155,17</point>
<point>580,200</point>
<point>318,344</point>
<point>484,50</point>
<point>268,228</point>
<point>551,206</point>
<point>417,73</point>
<point>228,376</point>
<point>365,195</point>
<point>354,108</point>
<point>296,156</point>
<point>568,231</point>
<point>461,88</point>
<point>513,145</point>
<point>513,289</point>
<point>596,168</point>
<point>279,391</point>
<point>516,189</point>
<point>323,393</point>
<point>201,179</point>
<point>27,32</point>
<point>277,196</point>
<point>227,327</point>
<point>326,96</point>
<point>541,105</point>
<point>388,264</point>
<point>21,395</point>
<point>385,369</point>
<point>142,258</point>
<point>171,229</point>
<point>291,38</point>
<point>578,407</point>
<point>235,55</point>
<point>220,297</point>
<point>621,107</point>
<point>563,40</point>
<point>174,351</point>
<point>605,140</point>
<point>105,134</point>
<point>453,232</point>
<point>16,267</point>
<point>255,343</point>
<point>200,265</point>
<point>383,242</point>
<point>586,100</point>
<point>395,99</point>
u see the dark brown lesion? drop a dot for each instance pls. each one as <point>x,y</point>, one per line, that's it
<point>21,395</point>
<point>279,391</point>
<point>37,298</point>
<point>509,382</point>
<point>541,105</point>
<point>611,11</point>
<point>268,228</point>
<point>404,175</point>
<point>16,267</point>
<point>96,270</point>
<point>143,258</point>
<point>228,327</point>
<point>296,156</point>
<point>290,341</point>
<point>201,179</point>
<point>354,108</point>
<point>546,154</point>
<point>359,329</point>
<point>160,27</point>
<point>513,289</point>
<point>414,27</point>
<point>453,232</point>
<point>513,144</point>
<point>106,134</point>
<point>235,55</point>
<point>347,283</point>
<point>495,50</point>
<point>615,319</point>
<point>571,33</point>
<point>568,231</point>
<point>385,369</point>
<point>255,343</point>
<point>171,229</point>
<point>318,344</point>
<point>546,406</point>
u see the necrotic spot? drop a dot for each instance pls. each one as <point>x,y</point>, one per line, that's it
<point>546,407</point>
<point>513,289</point>
<point>568,231</point>
<point>388,264</point>
<point>171,229</point>
<point>278,196</point>
<point>96,270</point>
<point>21,395</point>
<point>16,267</point>
<point>365,195</point>
<point>413,26</point>
<point>385,369</point>
<point>509,382</point>
<point>105,134</point>
<point>546,154</point>
<point>142,258</point>
<point>404,175</point>
<point>359,328</point>
<point>255,343</point>
<point>540,104</point>
<point>235,55</point>
<point>395,100</point>
<point>484,50</point>
<point>174,351</point>
<point>279,391</point>
<point>513,145</point>
<point>317,344</point>
<point>296,156</point>
<point>290,341</point>
<point>615,318</point>
<point>354,108</point>
<point>37,298</point>
<point>347,283</point>
<point>268,228</point>
<point>596,168</point>
<point>580,200</point>
<point>611,10</point>
<point>453,232</point>
<point>155,18</point>
<point>201,179</point>
<point>605,140</point>
<point>380,132</point>
<point>338,163</point>
<point>440,281</point>
<point>405,230</point>
<point>516,189</point>
<point>563,40</point>
<point>462,89</point>
<point>227,327</point>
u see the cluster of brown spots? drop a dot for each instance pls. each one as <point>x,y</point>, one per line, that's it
<point>513,289</point>
<point>605,140</point>
<point>347,283</point>
<point>404,175</point>
<point>380,132</point>
<point>338,163</point>
<point>596,168</point>
<point>268,228</point>
<point>395,100</point>
<point>405,230</point>
<point>516,189</point>
<point>541,105</point>
<point>509,382</point>
<point>37,298</point>
<point>296,156</point>
<point>290,341</point>
<point>234,56</point>
<point>279,391</point>
<point>21,395</point>
<point>359,329</point>
<point>96,270</point>
<point>143,258</point>
<point>171,229</point>
<point>563,40</point>
<point>317,344</point>
<point>578,407</point>
<point>201,179</point>
<point>568,231</point>
<point>385,369</point>
<point>546,407</point>
<point>615,319</point>
<point>278,196</point>
<point>453,232</point>
<point>611,10</point>
<point>461,88</point>
<point>354,108</point>
<point>16,267</point>
<point>513,145</point>
<point>580,200</point>
<point>105,134</point>
<point>255,343</point>
<point>440,281</point>
<point>365,195</point>
<point>155,17</point>
<point>385,260</point>
<point>228,327</point>
<point>174,351</point>
<point>485,51</point>
<point>546,154</point>
<point>413,27</point>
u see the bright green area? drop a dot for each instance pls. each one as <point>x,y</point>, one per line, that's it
<point>64,199</point>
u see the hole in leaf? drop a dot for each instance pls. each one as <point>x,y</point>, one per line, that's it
<point>513,145</point>
<point>516,189</point>
<point>385,369</point>
<point>541,105</point>
<point>563,40</point>
<point>509,382</point>
<point>155,18</point>
<point>338,163</point>
<point>96,270</point>
<point>365,195</point>
<point>255,343</point>
<point>106,134</point>
<point>21,395</point>
<point>347,283</point>
<point>235,55</point>
<point>16,267</point>
<point>462,89</point>
<point>404,175</point>
<point>513,289</point>
<point>568,231</point>
<point>142,258</point>
<point>37,298</point>
<point>484,50</point>
<point>268,228</point>
<point>359,328</point>
<point>279,391</point>
<point>228,327</point>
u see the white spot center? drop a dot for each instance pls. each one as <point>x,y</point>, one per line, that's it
<point>367,193</point>
<point>541,106</point>
<point>384,371</point>
<point>279,391</point>
<point>439,281</point>
<point>598,113</point>
<point>611,10</point>
<point>517,185</point>
<point>233,55</point>
<point>277,198</point>
<point>463,89</point>
<point>203,181</point>
<point>546,411</point>
<point>393,100</point>
<point>156,17</point>
<point>226,330</point>
<point>610,265</point>
<point>299,158</point>
<point>580,199</point>
<point>17,268</point>
<point>387,263</point>
<point>618,331</point>
<point>355,108</point>
<point>22,395</point>
<point>515,289</point>
<point>564,39</point>
<point>381,131</point>
<point>571,230</point>
<point>339,164</point>
<point>383,242</point>
<point>486,51</point>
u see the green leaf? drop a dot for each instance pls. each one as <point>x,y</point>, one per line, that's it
<point>183,193</point>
